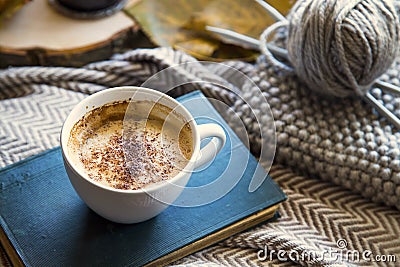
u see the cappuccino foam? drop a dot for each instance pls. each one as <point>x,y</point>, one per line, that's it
<point>149,146</point>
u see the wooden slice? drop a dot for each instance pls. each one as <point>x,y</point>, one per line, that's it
<point>38,35</point>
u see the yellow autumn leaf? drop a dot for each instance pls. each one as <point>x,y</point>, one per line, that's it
<point>181,24</point>
<point>9,7</point>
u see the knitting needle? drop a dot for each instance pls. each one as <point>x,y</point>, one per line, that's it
<point>252,43</point>
<point>382,109</point>
<point>275,14</point>
<point>246,41</point>
<point>384,86</point>
<point>388,87</point>
<point>236,38</point>
<point>249,42</point>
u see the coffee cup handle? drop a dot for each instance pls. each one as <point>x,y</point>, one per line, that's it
<point>217,142</point>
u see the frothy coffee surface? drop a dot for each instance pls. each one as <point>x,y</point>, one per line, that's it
<point>147,148</point>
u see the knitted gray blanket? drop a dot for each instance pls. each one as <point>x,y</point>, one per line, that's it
<point>338,149</point>
<point>340,140</point>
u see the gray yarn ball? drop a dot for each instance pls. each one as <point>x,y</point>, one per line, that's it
<point>340,47</point>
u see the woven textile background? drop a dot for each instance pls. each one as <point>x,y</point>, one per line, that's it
<point>337,161</point>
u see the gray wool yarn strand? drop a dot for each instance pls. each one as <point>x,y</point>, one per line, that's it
<point>340,47</point>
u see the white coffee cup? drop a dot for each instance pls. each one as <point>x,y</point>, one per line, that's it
<point>132,206</point>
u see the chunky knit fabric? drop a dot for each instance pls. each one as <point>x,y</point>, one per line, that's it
<point>340,140</point>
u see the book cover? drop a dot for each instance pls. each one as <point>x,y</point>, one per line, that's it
<point>44,222</point>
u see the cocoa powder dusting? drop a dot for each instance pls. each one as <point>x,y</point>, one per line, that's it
<point>129,156</point>
<point>132,160</point>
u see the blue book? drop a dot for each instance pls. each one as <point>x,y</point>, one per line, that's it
<point>45,223</point>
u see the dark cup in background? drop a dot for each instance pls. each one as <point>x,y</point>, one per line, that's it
<point>87,9</point>
<point>88,5</point>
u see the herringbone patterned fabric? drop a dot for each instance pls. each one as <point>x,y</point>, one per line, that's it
<point>34,101</point>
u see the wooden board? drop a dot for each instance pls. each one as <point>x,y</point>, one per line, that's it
<point>38,35</point>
